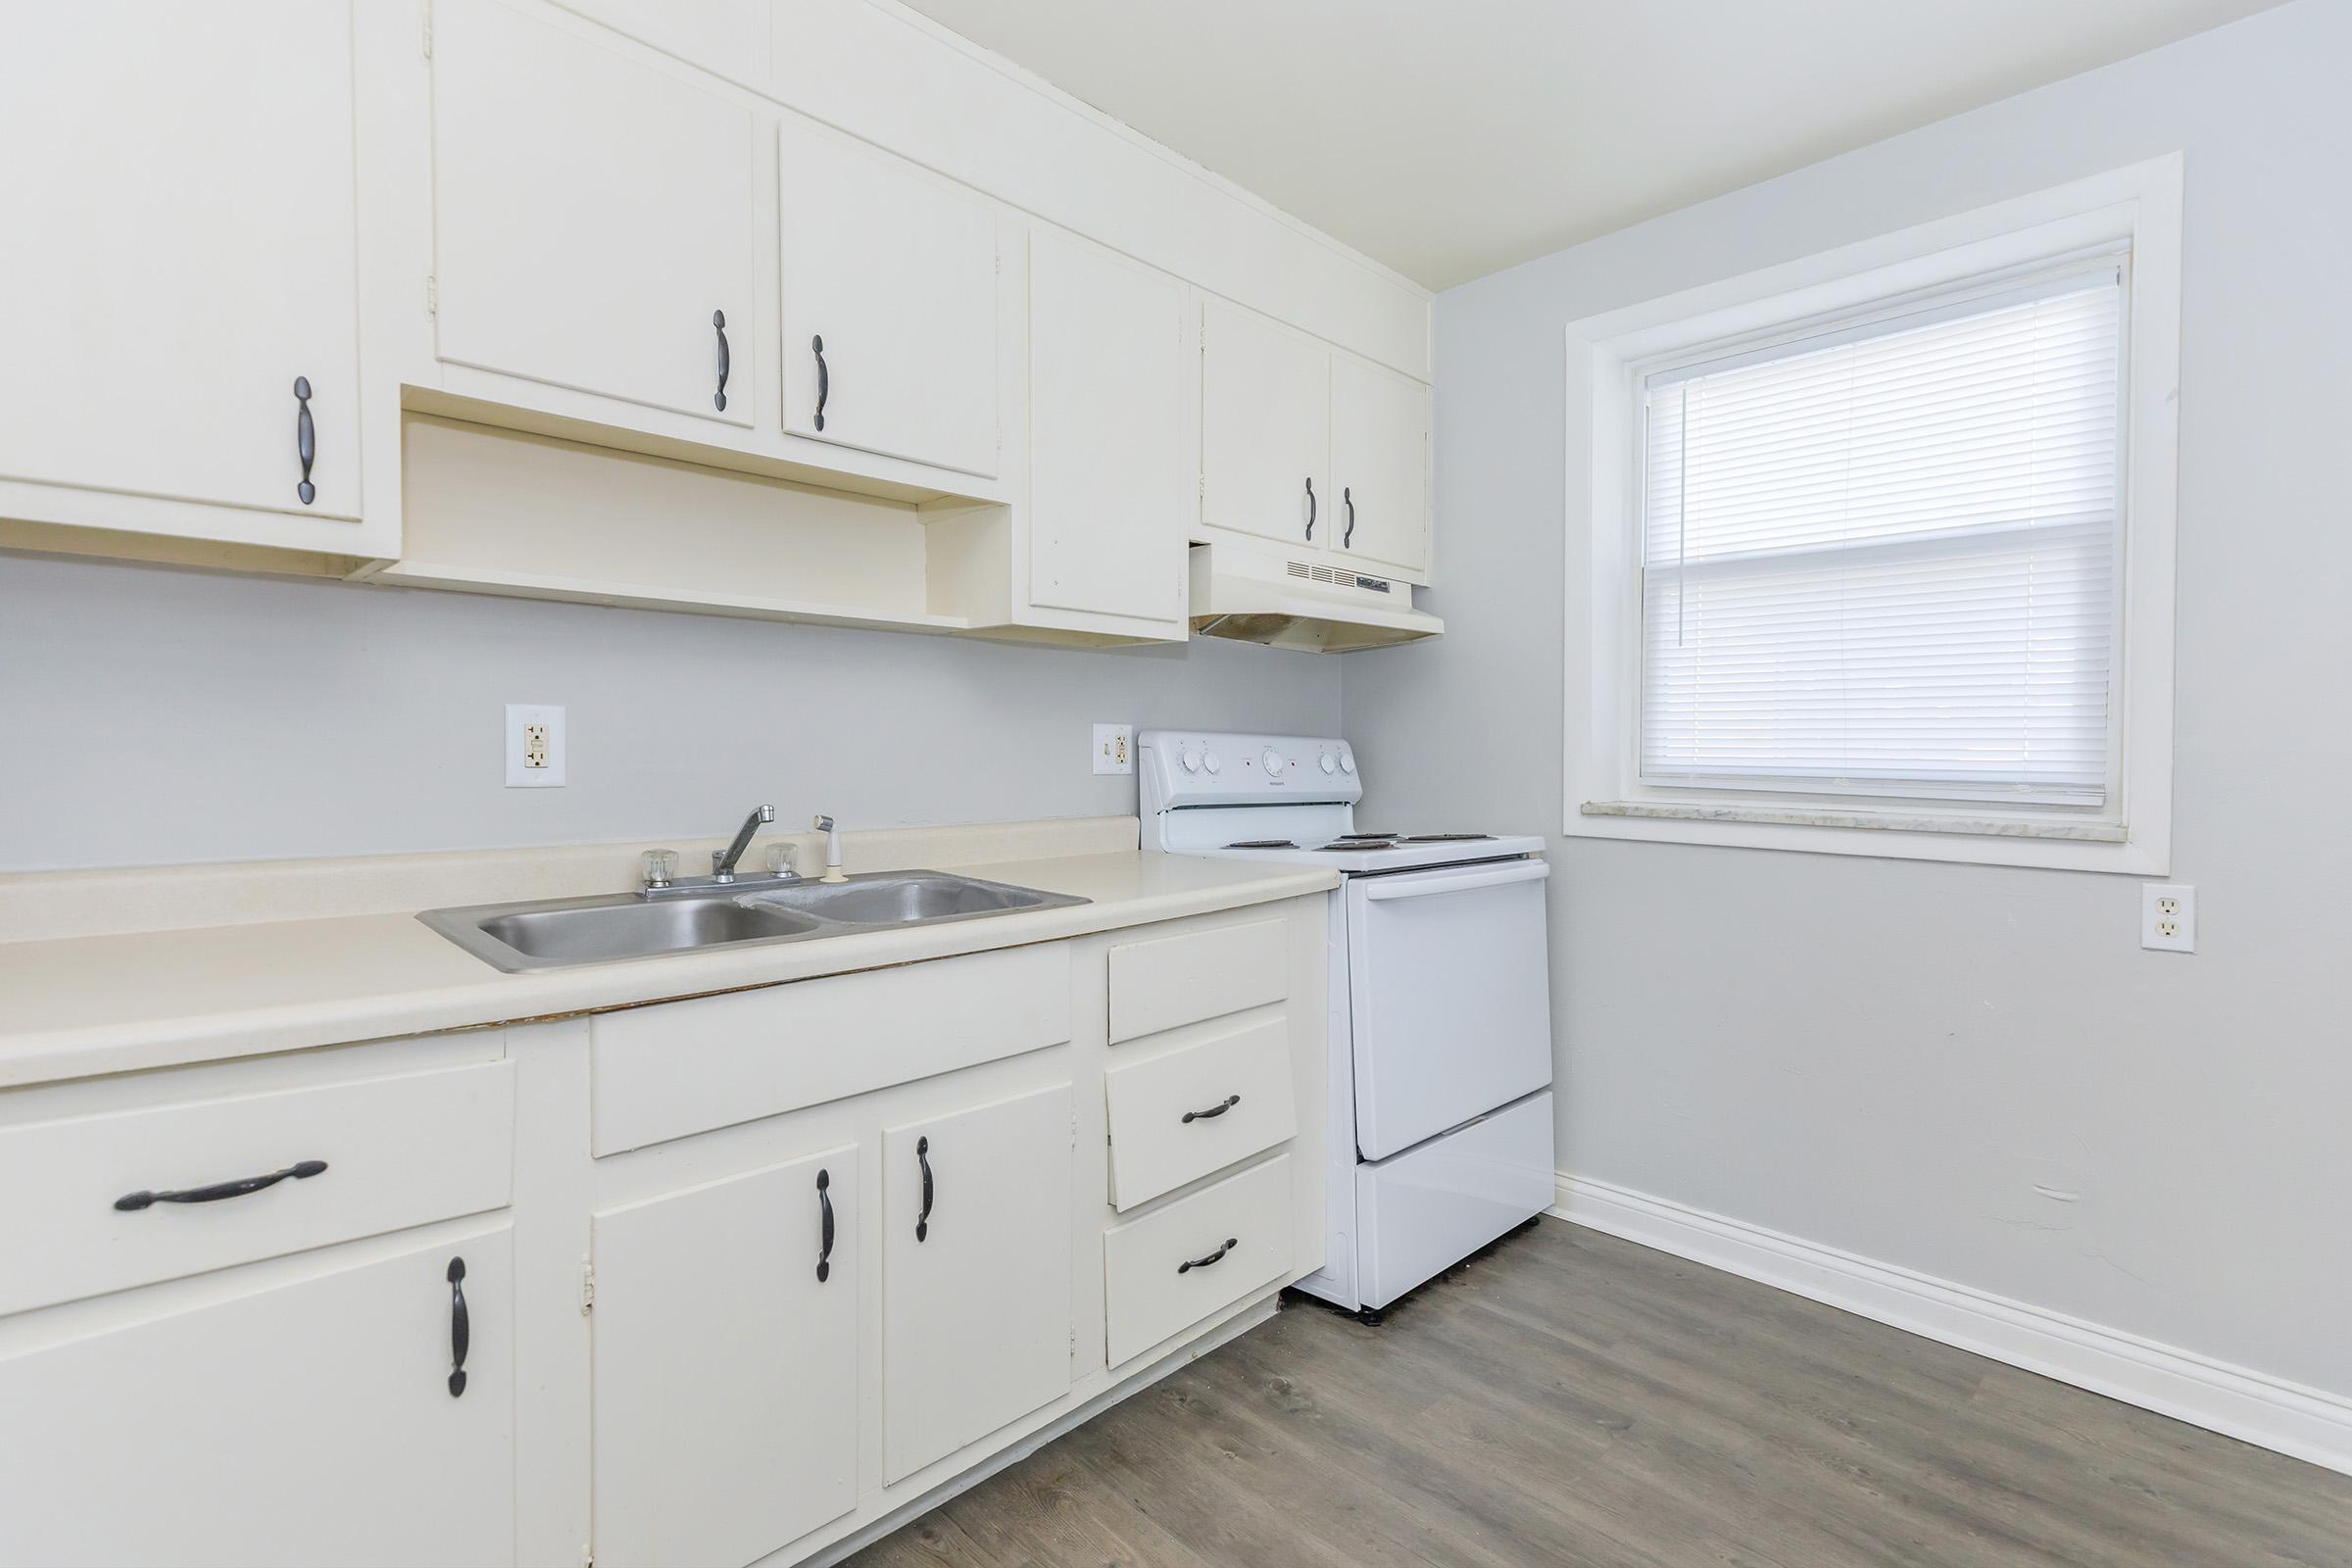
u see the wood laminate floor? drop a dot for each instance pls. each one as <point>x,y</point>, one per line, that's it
<point>1570,1398</point>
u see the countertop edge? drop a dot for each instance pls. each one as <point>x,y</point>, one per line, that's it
<point>504,1001</point>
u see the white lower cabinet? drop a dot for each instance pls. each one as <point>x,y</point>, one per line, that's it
<point>975,1273</point>
<point>308,1420</point>
<point>725,1365</point>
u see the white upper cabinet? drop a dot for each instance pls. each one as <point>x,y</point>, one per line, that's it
<point>177,190</point>
<point>1109,482</point>
<point>1265,427</point>
<point>975,1273</point>
<point>1380,463</point>
<point>593,215</point>
<point>1281,411</point>
<point>890,304</point>
<point>310,1420</point>
<point>725,1365</point>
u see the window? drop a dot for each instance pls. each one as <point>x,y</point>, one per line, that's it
<point>1880,544</point>
<point>1879,560</point>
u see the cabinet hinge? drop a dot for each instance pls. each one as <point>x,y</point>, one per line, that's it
<point>587,1287</point>
<point>429,33</point>
<point>433,295</point>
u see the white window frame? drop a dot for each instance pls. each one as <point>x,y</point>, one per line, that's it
<point>1607,356</point>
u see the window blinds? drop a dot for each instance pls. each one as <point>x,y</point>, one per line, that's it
<point>1883,560</point>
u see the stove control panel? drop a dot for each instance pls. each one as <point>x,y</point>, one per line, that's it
<point>1219,767</point>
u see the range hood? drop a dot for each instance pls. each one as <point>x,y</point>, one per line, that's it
<point>1269,597</point>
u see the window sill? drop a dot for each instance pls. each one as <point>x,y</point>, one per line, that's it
<point>2081,845</point>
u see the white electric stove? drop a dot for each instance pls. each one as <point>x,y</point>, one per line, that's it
<point>1441,1007</point>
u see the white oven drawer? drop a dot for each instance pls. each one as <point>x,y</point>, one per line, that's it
<point>1447,980</point>
<point>1431,1207</point>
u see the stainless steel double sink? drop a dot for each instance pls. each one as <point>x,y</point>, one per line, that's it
<point>560,933</point>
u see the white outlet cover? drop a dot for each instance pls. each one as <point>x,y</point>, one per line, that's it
<point>521,719</point>
<point>1114,748</point>
<point>2168,917</point>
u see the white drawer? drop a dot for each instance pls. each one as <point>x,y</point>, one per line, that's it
<point>1165,982</point>
<point>396,1151</point>
<point>1170,1269</point>
<point>681,1067</point>
<point>1177,1116</point>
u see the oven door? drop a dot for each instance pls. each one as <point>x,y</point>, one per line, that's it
<point>1447,981</point>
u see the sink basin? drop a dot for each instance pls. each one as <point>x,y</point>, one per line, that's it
<point>558,933</point>
<point>904,897</point>
<point>592,933</point>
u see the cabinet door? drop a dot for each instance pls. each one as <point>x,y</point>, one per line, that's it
<point>725,1365</point>
<point>975,1274</point>
<point>896,273</point>
<point>303,1423</point>
<point>593,215</point>
<point>1380,460</point>
<point>1107,480</point>
<point>177,190</point>
<point>1265,428</point>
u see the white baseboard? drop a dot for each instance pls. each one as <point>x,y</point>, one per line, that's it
<point>2307,1423</point>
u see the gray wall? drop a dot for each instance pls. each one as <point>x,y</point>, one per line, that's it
<point>1893,1057</point>
<point>151,717</point>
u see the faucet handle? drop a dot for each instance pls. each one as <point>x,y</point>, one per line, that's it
<point>779,858</point>
<point>661,867</point>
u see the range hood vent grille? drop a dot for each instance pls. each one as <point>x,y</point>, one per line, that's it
<point>1344,579</point>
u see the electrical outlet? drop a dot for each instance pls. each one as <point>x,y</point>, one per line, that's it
<point>1114,748</point>
<point>534,746</point>
<point>2168,917</point>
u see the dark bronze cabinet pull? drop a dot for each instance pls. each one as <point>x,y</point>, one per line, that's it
<point>1311,507</point>
<point>1348,500</point>
<point>718,323</point>
<point>922,1156</point>
<point>1231,1101</point>
<point>1217,1256</point>
<point>300,1170</point>
<point>825,1245</point>
<point>461,1327</point>
<point>824,379</point>
<point>306,438</point>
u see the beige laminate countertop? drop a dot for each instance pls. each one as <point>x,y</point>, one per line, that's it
<point>80,1006</point>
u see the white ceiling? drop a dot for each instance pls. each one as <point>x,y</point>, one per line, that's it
<point>1450,138</point>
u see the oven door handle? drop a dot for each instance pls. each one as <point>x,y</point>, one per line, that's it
<point>1497,875</point>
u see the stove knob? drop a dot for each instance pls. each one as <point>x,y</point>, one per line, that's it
<point>1271,763</point>
<point>1329,765</point>
<point>1212,762</point>
<point>1347,762</point>
<point>1190,760</point>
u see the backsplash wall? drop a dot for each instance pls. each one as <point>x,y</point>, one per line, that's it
<point>151,715</point>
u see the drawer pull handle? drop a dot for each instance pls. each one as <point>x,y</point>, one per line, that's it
<point>1231,1101</point>
<point>825,1245</point>
<point>305,439</point>
<point>300,1170</point>
<point>718,323</point>
<point>1217,1256</point>
<point>461,1327</point>
<point>922,1158</point>
<point>824,379</point>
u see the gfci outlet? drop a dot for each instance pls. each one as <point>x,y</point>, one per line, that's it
<point>534,746</point>
<point>2168,917</point>
<point>1114,748</point>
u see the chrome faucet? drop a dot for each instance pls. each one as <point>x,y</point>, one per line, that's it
<point>723,862</point>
